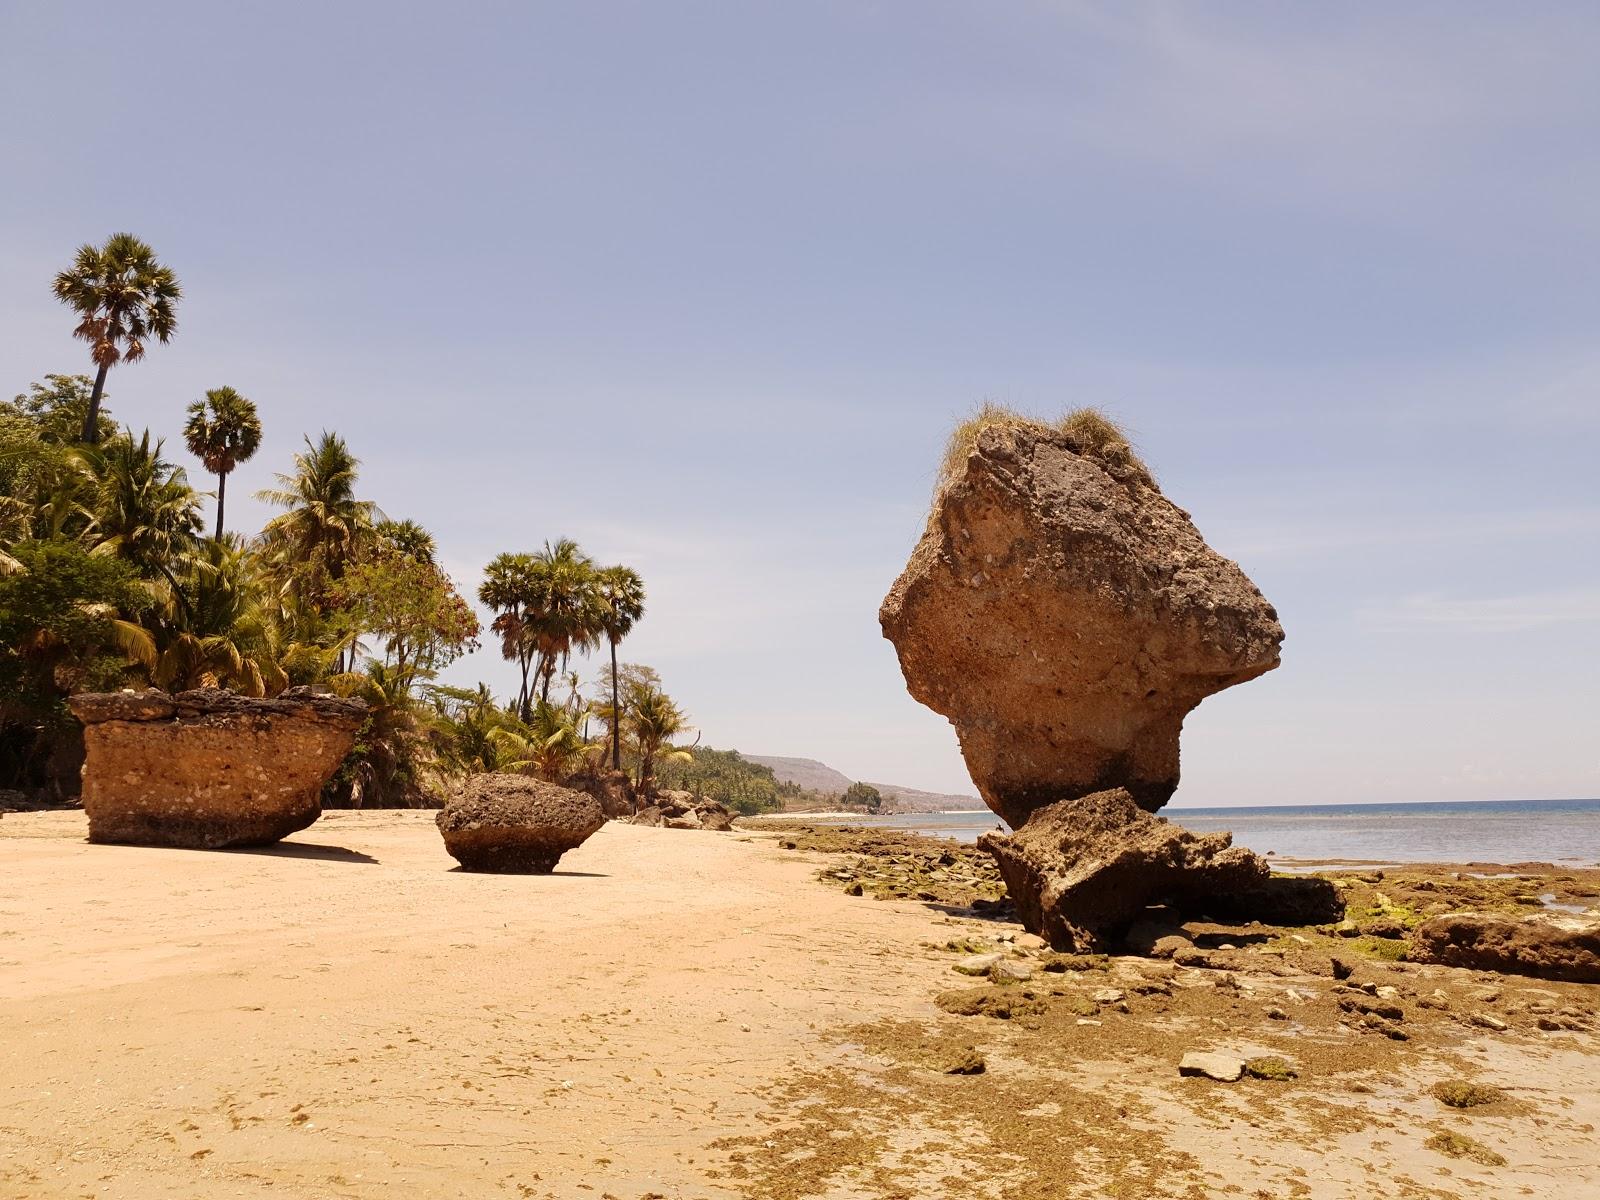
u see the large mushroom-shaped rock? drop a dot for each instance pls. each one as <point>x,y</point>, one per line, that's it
<point>1080,871</point>
<point>515,824</point>
<point>208,769</point>
<point>1546,945</point>
<point>1065,616</point>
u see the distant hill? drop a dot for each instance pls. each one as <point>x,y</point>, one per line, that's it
<point>817,776</point>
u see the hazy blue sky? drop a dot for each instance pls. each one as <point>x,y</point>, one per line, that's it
<point>704,285</point>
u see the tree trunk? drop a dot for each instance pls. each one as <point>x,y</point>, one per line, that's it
<point>616,714</point>
<point>222,487</point>
<point>91,420</point>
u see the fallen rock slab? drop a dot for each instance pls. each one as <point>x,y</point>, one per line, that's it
<point>1065,616</point>
<point>1546,946</point>
<point>515,824</point>
<point>209,769</point>
<point>1081,871</point>
<point>1224,1068</point>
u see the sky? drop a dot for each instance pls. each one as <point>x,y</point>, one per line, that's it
<point>704,286</point>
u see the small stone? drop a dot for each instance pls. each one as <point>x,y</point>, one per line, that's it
<point>1030,941</point>
<point>1011,971</point>
<point>977,964</point>
<point>1170,946</point>
<point>1488,1021</point>
<point>1277,1014</point>
<point>1224,1068</point>
<point>855,889</point>
<point>1346,929</point>
<point>1109,996</point>
<point>1387,993</point>
<point>1087,1021</point>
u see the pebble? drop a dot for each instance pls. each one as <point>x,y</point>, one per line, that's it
<point>1486,1021</point>
<point>1011,969</point>
<point>1109,996</point>
<point>1277,1014</point>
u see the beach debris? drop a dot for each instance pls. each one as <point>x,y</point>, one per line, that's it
<point>1271,1066</point>
<point>1224,1068</point>
<point>515,824</point>
<point>1080,871</point>
<point>1065,616</point>
<point>1462,1093</point>
<point>1547,945</point>
<point>1458,1145</point>
<point>208,769</point>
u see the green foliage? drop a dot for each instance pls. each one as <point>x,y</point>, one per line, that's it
<point>724,775</point>
<point>412,606</point>
<point>58,408</point>
<point>863,796</point>
<point>60,632</point>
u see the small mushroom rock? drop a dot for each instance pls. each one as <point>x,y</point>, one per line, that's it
<point>516,824</point>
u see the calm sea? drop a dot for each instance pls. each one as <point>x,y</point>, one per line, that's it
<point>1498,831</point>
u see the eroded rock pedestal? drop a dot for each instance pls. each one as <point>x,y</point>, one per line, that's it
<point>208,769</point>
<point>516,824</point>
<point>1066,616</point>
<point>1080,871</point>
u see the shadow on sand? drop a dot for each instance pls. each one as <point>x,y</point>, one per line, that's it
<point>314,850</point>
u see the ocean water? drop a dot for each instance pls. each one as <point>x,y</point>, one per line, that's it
<point>1493,831</point>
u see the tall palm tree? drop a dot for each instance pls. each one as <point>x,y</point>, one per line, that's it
<point>621,594</point>
<point>508,589</point>
<point>123,297</point>
<point>565,615</point>
<point>222,431</point>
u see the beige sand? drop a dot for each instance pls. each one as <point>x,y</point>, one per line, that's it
<point>346,1015</point>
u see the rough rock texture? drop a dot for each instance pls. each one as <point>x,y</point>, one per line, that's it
<point>1547,946</point>
<point>516,824</point>
<point>684,810</point>
<point>1081,871</point>
<point>1066,619</point>
<point>207,768</point>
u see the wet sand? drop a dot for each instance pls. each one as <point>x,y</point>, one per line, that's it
<point>683,1015</point>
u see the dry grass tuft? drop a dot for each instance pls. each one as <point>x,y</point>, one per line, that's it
<point>1088,430</point>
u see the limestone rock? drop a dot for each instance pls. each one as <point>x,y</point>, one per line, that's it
<point>1224,1068</point>
<point>208,769</point>
<point>1065,616</point>
<point>684,810</point>
<point>1080,871</point>
<point>1548,946</point>
<point>516,824</point>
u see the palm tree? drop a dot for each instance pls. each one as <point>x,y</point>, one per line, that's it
<point>122,296</point>
<point>141,507</point>
<point>508,589</point>
<point>621,593</point>
<point>324,524</point>
<point>566,612</point>
<point>655,720</point>
<point>223,638</point>
<point>222,431</point>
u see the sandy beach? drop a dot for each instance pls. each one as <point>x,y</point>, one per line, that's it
<point>669,1015</point>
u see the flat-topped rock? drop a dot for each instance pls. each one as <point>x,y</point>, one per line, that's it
<point>516,824</point>
<point>208,769</point>
<point>1547,945</point>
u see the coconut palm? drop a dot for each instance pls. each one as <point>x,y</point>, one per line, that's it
<point>223,638</point>
<point>123,297</point>
<point>141,507</point>
<point>654,720</point>
<point>222,432</point>
<point>324,524</point>
<point>621,594</point>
